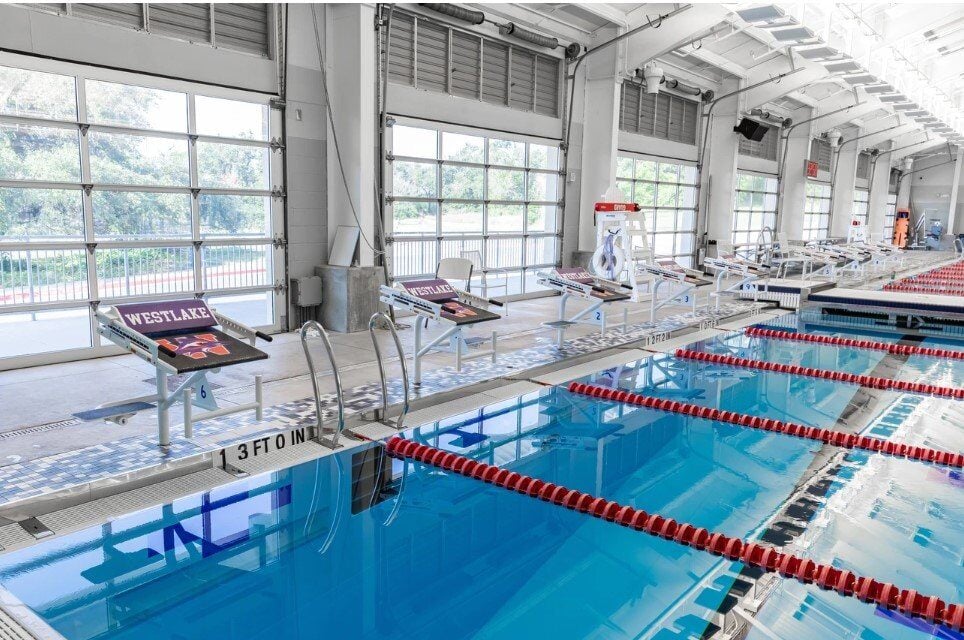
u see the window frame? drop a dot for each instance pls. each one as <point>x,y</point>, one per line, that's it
<point>90,243</point>
<point>444,243</point>
<point>770,215</point>
<point>812,213</point>
<point>678,230</point>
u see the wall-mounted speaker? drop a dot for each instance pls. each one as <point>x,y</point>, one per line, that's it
<point>751,129</point>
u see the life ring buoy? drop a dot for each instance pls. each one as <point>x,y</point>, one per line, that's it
<point>607,260</point>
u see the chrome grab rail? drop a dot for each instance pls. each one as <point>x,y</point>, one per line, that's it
<point>320,330</point>
<point>381,369</point>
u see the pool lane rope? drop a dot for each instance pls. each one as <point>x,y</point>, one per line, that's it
<point>887,384</point>
<point>896,349</point>
<point>827,436</point>
<point>884,594</point>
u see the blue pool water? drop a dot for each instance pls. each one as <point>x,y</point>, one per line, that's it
<point>299,553</point>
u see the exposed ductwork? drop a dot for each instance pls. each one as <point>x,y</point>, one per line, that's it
<point>455,11</point>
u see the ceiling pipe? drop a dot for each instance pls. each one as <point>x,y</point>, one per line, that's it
<point>455,11</point>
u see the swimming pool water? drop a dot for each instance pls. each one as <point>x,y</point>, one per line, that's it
<point>299,554</point>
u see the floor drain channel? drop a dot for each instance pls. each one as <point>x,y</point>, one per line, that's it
<point>39,428</point>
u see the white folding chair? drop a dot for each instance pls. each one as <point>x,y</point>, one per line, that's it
<point>475,257</point>
<point>455,269</point>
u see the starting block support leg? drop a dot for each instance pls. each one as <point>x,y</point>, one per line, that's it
<point>188,411</point>
<point>258,398</point>
<point>163,417</point>
<point>495,347</point>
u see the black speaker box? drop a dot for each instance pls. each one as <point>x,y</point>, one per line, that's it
<point>751,130</point>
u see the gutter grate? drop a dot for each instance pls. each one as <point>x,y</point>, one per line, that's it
<point>39,428</point>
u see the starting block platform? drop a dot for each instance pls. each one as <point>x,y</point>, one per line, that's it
<point>576,282</point>
<point>178,337</point>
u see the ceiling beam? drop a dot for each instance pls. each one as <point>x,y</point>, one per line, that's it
<point>673,32</point>
<point>897,156</point>
<point>890,134</point>
<point>807,73</point>
<point>606,12</point>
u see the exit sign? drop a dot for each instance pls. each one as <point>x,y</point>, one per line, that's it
<point>812,169</point>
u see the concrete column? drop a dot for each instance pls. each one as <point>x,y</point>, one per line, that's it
<point>845,174</point>
<point>718,175</point>
<point>955,184</point>
<point>879,188</point>
<point>350,58</point>
<point>600,132</point>
<point>903,186</point>
<point>793,181</point>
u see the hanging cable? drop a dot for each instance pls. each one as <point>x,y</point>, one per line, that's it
<point>334,136</point>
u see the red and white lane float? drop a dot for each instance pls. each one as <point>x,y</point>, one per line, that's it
<point>852,343</point>
<point>828,436</point>
<point>846,583</point>
<point>944,281</point>
<point>872,382</point>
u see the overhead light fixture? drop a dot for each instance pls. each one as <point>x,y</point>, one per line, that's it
<point>817,53</point>
<point>897,97</point>
<point>793,34</point>
<point>879,88</point>
<point>765,13</point>
<point>863,78</point>
<point>842,66</point>
<point>918,112</point>
<point>906,106</point>
<point>833,137</point>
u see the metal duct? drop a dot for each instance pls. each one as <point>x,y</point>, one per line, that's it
<point>510,29</point>
<point>453,11</point>
<point>676,85</point>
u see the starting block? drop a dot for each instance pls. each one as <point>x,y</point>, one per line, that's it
<point>729,264</point>
<point>452,308</point>
<point>686,282</point>
<point>178,337</point>
<point>578,283</point>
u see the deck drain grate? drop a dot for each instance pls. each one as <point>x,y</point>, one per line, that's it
<point>39,428</point>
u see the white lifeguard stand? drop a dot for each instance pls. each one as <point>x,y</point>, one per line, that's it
<point>622,243</point>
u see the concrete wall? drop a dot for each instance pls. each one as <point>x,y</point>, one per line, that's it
<point>930,190</point>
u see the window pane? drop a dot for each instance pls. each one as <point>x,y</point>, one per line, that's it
<point>223,215</point>
<point>234,267</point>
<point>687,174</point>
<point>684,243</point>
<point>503,253</point>
<point>232,166</point>
<point>125,159</point>
<point>456,146</point>
<point>541,218</point>
<point>48,275</point>
<point>505,218</point>
<point>463,183</point>
<point>144,271</point>
<point>414,217</point>
<point>666,195</point>
<point>415,179</point>
<point>36,94</point>
<point>135,107</point>
<point>41,214</point>
<point>624,167</point>
<point>507,152</point>
<point>668,172</point>
<point>252,309</point>
<point>543,157</point>
<point>645,195</point>
<point>541,251</point>
<point>460,217</point>
<point>665,220</point>
<point>122,214</point>
<point>39,153</point>
<point>44,331</point>
<point>645,170</point>
<point>414,142</point>
<point>505,184</point>
<point>687,196</point>
<point>231,118</point>
<point>544,187</point>
<point>626,188</point>
<point>663,244</point>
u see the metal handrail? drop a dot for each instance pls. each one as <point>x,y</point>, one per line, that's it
<point>381,367</point>
<point>320,330</point>
<point>764,245</point>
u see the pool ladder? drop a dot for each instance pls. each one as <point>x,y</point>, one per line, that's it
<point>312,327</point>
<point>380,414</point>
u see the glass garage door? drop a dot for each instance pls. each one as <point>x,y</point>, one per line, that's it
<point>455,192</point>
<point>116,187</point>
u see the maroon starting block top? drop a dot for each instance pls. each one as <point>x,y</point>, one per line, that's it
<point>184,329</point>
<point>580,275</point>
<point>441,292</point>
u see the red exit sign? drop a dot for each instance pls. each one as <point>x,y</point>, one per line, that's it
<point>812,169</point>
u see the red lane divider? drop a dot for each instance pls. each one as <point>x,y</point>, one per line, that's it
<point>828,436</point>
<point>897,349</point>
<point>839,376</point>
<point>907,601</point>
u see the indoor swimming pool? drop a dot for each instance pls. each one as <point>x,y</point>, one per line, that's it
<point>361,545</point>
